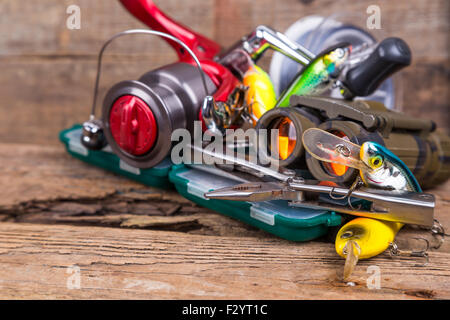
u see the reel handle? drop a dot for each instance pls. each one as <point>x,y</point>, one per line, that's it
<point>391,55</point>
<point>147,12</point>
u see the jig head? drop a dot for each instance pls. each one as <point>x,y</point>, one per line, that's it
<point>92,136</point>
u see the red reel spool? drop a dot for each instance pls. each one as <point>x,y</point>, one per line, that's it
<point>133,125</point>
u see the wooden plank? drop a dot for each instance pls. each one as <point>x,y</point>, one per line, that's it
<point>41,30</point>
<point>73,207</point>
<point>410,20</point>
<point>424,91</point>
<point>140,264</point>
<point>31,29</point>
<point>48,71</point>
<point>40,98</point>
<point>46,185</point>
<point>46,85</point>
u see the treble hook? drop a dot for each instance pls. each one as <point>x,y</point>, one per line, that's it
<point>438,232</point>
<point>395,251</point>
<point>358,182</point>
<point>354,186</point>
<point>330,194</point>
<point>349,202</point>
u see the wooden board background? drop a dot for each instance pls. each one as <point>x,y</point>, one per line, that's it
<point>57,212</point>
<point>47,71</point>
<point>132,241</point>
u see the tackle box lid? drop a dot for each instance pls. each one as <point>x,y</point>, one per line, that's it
<point>196,180</point>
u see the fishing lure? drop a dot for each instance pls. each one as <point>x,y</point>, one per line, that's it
<point>316,77</point>
<point>363,238</point>
<point>261,95</point>
<point>378,167</point>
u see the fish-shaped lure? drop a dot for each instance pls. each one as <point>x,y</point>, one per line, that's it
<point>386,169</point>
<point>363,238</point>
<point>379,167</point>
<point>315,78</point>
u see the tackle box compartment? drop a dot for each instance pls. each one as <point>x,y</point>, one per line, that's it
<point>276,217</point>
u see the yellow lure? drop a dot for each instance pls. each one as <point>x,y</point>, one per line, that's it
<point>372,236</point>
<point>363,238</point>
<point>261,95</point>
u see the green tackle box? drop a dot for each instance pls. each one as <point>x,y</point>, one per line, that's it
<point>276,217</point>
<point>157,176</point>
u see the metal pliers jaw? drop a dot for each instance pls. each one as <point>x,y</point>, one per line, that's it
<point>390,205</point>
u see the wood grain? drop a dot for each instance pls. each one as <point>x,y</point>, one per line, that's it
<point>143,264</point>
<point>136,242</point>
<point>48,71</point>
<point>133,241</point>
<point>46,185</point>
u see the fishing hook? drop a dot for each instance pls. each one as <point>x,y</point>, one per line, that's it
<point>395,251</point>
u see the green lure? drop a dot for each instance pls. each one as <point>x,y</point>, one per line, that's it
<point>315,78</point>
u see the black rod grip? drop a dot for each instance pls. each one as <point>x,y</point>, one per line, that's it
<point>391,55</point>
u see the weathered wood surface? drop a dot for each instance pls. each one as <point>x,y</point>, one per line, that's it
<point>117,263</point>
<point>132,241</point>
<point>48,71</point>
